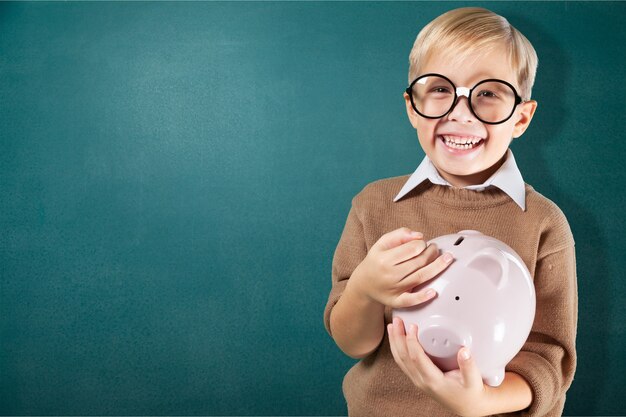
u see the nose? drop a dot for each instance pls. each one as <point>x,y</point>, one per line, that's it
<point>461,111</point>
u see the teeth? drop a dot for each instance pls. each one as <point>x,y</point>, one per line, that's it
<point>459,140</point>
<point>460,143</point>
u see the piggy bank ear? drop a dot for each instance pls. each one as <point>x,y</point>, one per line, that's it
<point>492,263</point>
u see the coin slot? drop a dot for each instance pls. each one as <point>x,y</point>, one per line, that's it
<point>458,241</point>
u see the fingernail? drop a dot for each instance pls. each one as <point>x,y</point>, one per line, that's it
<point>465,354</point>
<point>447,257</point>
<point>417,234</point>
<point>430,293</point>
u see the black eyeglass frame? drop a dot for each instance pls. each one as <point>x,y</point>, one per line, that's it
<point>409,91</point>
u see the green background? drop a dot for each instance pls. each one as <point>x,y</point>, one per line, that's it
<point>175,177</point>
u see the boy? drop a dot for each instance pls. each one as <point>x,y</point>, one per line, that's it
<point>470,79</point>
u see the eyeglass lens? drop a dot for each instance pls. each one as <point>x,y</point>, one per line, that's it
<point>491,101</point>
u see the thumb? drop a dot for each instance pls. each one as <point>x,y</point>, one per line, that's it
<point>397,237</point>
<point>468,368</point>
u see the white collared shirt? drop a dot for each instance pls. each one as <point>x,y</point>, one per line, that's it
<point>508,178</point>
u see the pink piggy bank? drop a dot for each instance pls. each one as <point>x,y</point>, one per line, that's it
<point>485,301</point>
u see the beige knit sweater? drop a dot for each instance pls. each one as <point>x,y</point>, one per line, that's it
<point>541,235</point>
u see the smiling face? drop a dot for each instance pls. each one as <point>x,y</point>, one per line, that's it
<point>474,166</point>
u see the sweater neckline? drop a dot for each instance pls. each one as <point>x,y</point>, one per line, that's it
<point>452,196</point>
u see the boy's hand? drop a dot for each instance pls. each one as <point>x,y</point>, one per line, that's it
<point>461,390</point>
<point>398,262</point>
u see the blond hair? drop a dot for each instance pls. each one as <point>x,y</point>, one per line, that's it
<point>470,30</point>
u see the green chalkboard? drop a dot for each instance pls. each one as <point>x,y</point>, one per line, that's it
<point>175,176</point>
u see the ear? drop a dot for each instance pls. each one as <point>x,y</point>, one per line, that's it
<point>492,263</point>
<point>410,111</point>
<point>525,116</point>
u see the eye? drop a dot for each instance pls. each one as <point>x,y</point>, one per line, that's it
<point>457,298</point>
<point>440,90</point>
<point>487,93</point>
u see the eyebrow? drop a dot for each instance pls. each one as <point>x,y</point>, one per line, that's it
<point>479,77</point>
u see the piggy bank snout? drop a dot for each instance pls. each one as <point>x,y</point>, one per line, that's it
<point>442,340</point>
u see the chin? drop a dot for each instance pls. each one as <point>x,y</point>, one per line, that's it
<point>461,172</point>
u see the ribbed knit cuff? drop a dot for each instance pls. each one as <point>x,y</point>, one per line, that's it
<point>542,379</point>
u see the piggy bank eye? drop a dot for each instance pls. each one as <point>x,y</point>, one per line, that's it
<point>457,298</point>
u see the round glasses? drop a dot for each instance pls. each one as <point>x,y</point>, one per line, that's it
<point>492,101</point>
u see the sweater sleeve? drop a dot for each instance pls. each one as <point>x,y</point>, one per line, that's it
<point>350,251</point>
<point>548,358</point>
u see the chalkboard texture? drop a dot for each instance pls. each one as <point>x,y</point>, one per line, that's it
<point>175,176</point>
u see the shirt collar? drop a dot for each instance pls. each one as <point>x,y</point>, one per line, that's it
<point>508,178</point>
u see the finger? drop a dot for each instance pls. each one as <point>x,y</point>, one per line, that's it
<point>428,272</point>
<point>469,370</point>
<point>406,251</point>
<point>428,255</point>
<point>394,343</point>
<point>396,238</point>
<point>426,368</point>
<point>398,345</point>
<point>399,335</point>
<point>409,299</point>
